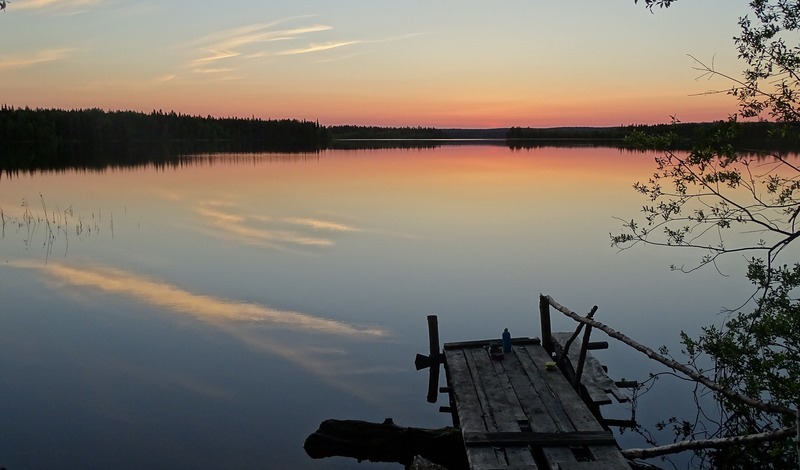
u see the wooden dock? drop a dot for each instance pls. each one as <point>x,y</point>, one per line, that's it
<point>516,413</point>
<point>535,406</point>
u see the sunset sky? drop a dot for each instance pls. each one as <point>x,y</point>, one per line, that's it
<point>441,63</point>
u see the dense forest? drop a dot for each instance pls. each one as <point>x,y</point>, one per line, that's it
<point>374,132</point>
<point>764,135</point>
<point>571,133</point>
<point>95,126</point>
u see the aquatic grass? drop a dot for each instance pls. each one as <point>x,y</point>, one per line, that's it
<point>56,225</point>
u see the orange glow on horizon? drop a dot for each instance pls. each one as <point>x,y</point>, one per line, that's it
<point>400,109</point>
<point>391,67</point>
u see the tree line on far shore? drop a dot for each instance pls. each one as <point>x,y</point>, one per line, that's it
<point>756,134</point>
<point>95,126</point>
<point>377,132</point>
<point>33,139</point>
<point>92,126</point>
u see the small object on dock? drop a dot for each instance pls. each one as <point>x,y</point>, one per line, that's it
<point>550,365</point>
<point>496,350</point>
<point>506,341</point>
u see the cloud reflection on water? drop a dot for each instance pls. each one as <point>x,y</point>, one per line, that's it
<point>204,307</point>
<point>259,230</point>
<point>242,320</point>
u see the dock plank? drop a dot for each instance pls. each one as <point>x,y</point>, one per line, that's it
<point>578,412</point>
<point>464,392</point>
<point>540,403</point>
<point>562,393</point>
<point>539,438</point>
<point>498,404</point>
<point>532,362</point>
<point>504,409</point>
<point>469,407</point>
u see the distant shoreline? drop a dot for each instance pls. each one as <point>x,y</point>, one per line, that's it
<point>95,128</point>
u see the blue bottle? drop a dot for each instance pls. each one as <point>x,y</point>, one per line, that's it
<point>506,341</point>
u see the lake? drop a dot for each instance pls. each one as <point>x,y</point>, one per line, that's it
<point>211,312</point>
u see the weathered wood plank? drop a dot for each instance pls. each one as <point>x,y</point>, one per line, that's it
<point>514,467</point>
<point>532,360</point>
<point>531,392</point>
<point>598,384</point>
<point>465,396</point>
<point>487,378</point>
<point>578,412</point>
<point>504,407</point>
<point>498,413</point>
<point>532,409</point>
<point>597,465</point>
<point>469,407</point>
<point>486,457</point>
<point>486,342</point>
<point>502,373</point>
<point>579,415</point>
<point>541,439</point>
<point>489,418</point>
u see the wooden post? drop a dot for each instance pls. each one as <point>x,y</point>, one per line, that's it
<point>433,338</point>
<point>572,338</point>
<point>435,356</point>
<point>582,352</point>
<point>432,360</point>
<point>568,344</point>
<point>544,317</point>
<point>582,357</point>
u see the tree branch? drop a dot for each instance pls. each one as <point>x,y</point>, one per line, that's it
<point>698,179</point>
<point>717,443</point>
<point>694,375</point>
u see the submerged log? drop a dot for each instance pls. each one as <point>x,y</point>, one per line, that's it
<point>386,442</point>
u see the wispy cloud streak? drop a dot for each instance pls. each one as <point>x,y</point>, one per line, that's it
<point>236,47</point>
<point>215,56</point>
<point>40,57</point>
<point>54,4</point>
<point>219,70</point>
<point>240,41</point>
<point>318,47</point>
<point>165,78</point>
<point>318,224</point>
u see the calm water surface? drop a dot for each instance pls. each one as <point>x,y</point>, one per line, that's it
<point>210,315</point>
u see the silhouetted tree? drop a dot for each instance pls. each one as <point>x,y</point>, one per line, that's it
<point>697,197</point>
